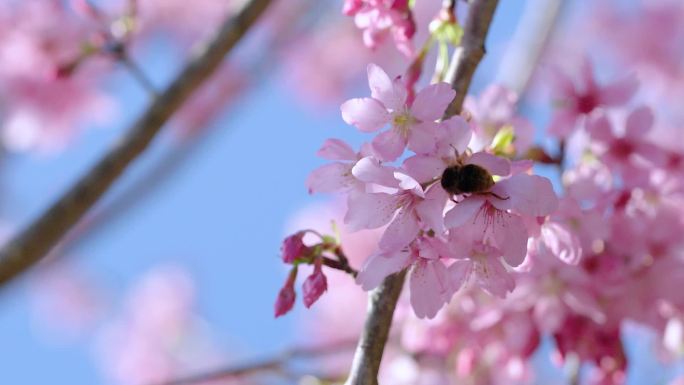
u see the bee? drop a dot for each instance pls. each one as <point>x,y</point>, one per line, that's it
<point>468,179</point>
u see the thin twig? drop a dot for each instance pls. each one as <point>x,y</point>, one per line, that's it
<point>340,265</point>
<point>467,56</point>
<point>383,299</point>
<point>275,363</point>
<point>39,237</point>
<point>139,75</point>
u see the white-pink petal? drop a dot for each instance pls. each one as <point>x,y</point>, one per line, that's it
<point>384,89</point>
<point>336,149</point>
<point>333,177</point>
<point>431,209</point>
<point>527,194</point>
<point>379,266</point>
<point>402,231</point>
<point>463,211</point>
<point>369,210</point>
<point>619,92</point>
<point>639,122</point>
<point>369,170</point>
<point>456,134</point>
<point>432,101</point>
<point>493,277</point>
<point>511,237</point>
<point>422,138</point>
<point>424,168</point>
<point>388,145</point>
<point>366,114</point>
<point>492,163</point>
<point>430,288</point>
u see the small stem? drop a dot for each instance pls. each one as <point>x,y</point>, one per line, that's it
<point>339,265</point>
<point>137,72</point>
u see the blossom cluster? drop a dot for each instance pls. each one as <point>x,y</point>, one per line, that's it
<point>452,214</point>
<point>510,263</point>
<point>379,18</point>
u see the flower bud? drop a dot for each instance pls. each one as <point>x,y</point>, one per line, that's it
<point>286,296</point>
<point>315,285</point>
<point>293,247</point>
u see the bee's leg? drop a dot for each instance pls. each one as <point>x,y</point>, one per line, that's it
<point>497,196</point>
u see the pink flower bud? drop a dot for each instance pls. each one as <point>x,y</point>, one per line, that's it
<point>315,285</point>
<point>293,247</point>
<point>287,295</point>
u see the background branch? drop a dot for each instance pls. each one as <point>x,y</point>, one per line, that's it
<point>29,246</point>
<point>383,299</point>
<point>273,364</point>
<point>467,57</point>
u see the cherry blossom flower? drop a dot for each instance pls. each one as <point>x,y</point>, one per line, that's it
<point>413,125</point>
<point>626,152</point>
<point>430,281</point>
<point>578,100</point>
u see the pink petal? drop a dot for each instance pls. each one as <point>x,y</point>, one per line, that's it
<point>492,163</point>
<point>562,83</point>
<point>369,210</point>
<point>549,313</point>
<point>423,138</point>
<point>463,211</point>
<point>391,94</point>
<point>407,183</point>
<point>379,266</point>
<point>459,273</point>
<point>366,114</point>
<point>424,168</point>
<point>402,231</point>
<point>335,149</point>
<point>587,75</point>
<point>527,194</point>
<point>639,122</point>
<point>584,302</point>
<point>524,134</point>
<point>333,177</point>
<point>456,134</point>
<point>511,238</point>
<point>561,242</point>
<point>432,101</point>
<point>430,288</point>
<point>600,129</point>
<point>563,122</point>
<point>619,92</point>
<point>369,170</point>
<point>493,277</point>
<point>431,209</point>
<point>388,145</point>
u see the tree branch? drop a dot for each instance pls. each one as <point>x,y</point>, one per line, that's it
<point>383,299</point>
<point>29,246</point>
<point>381,304</point>
<point>467,56</point>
